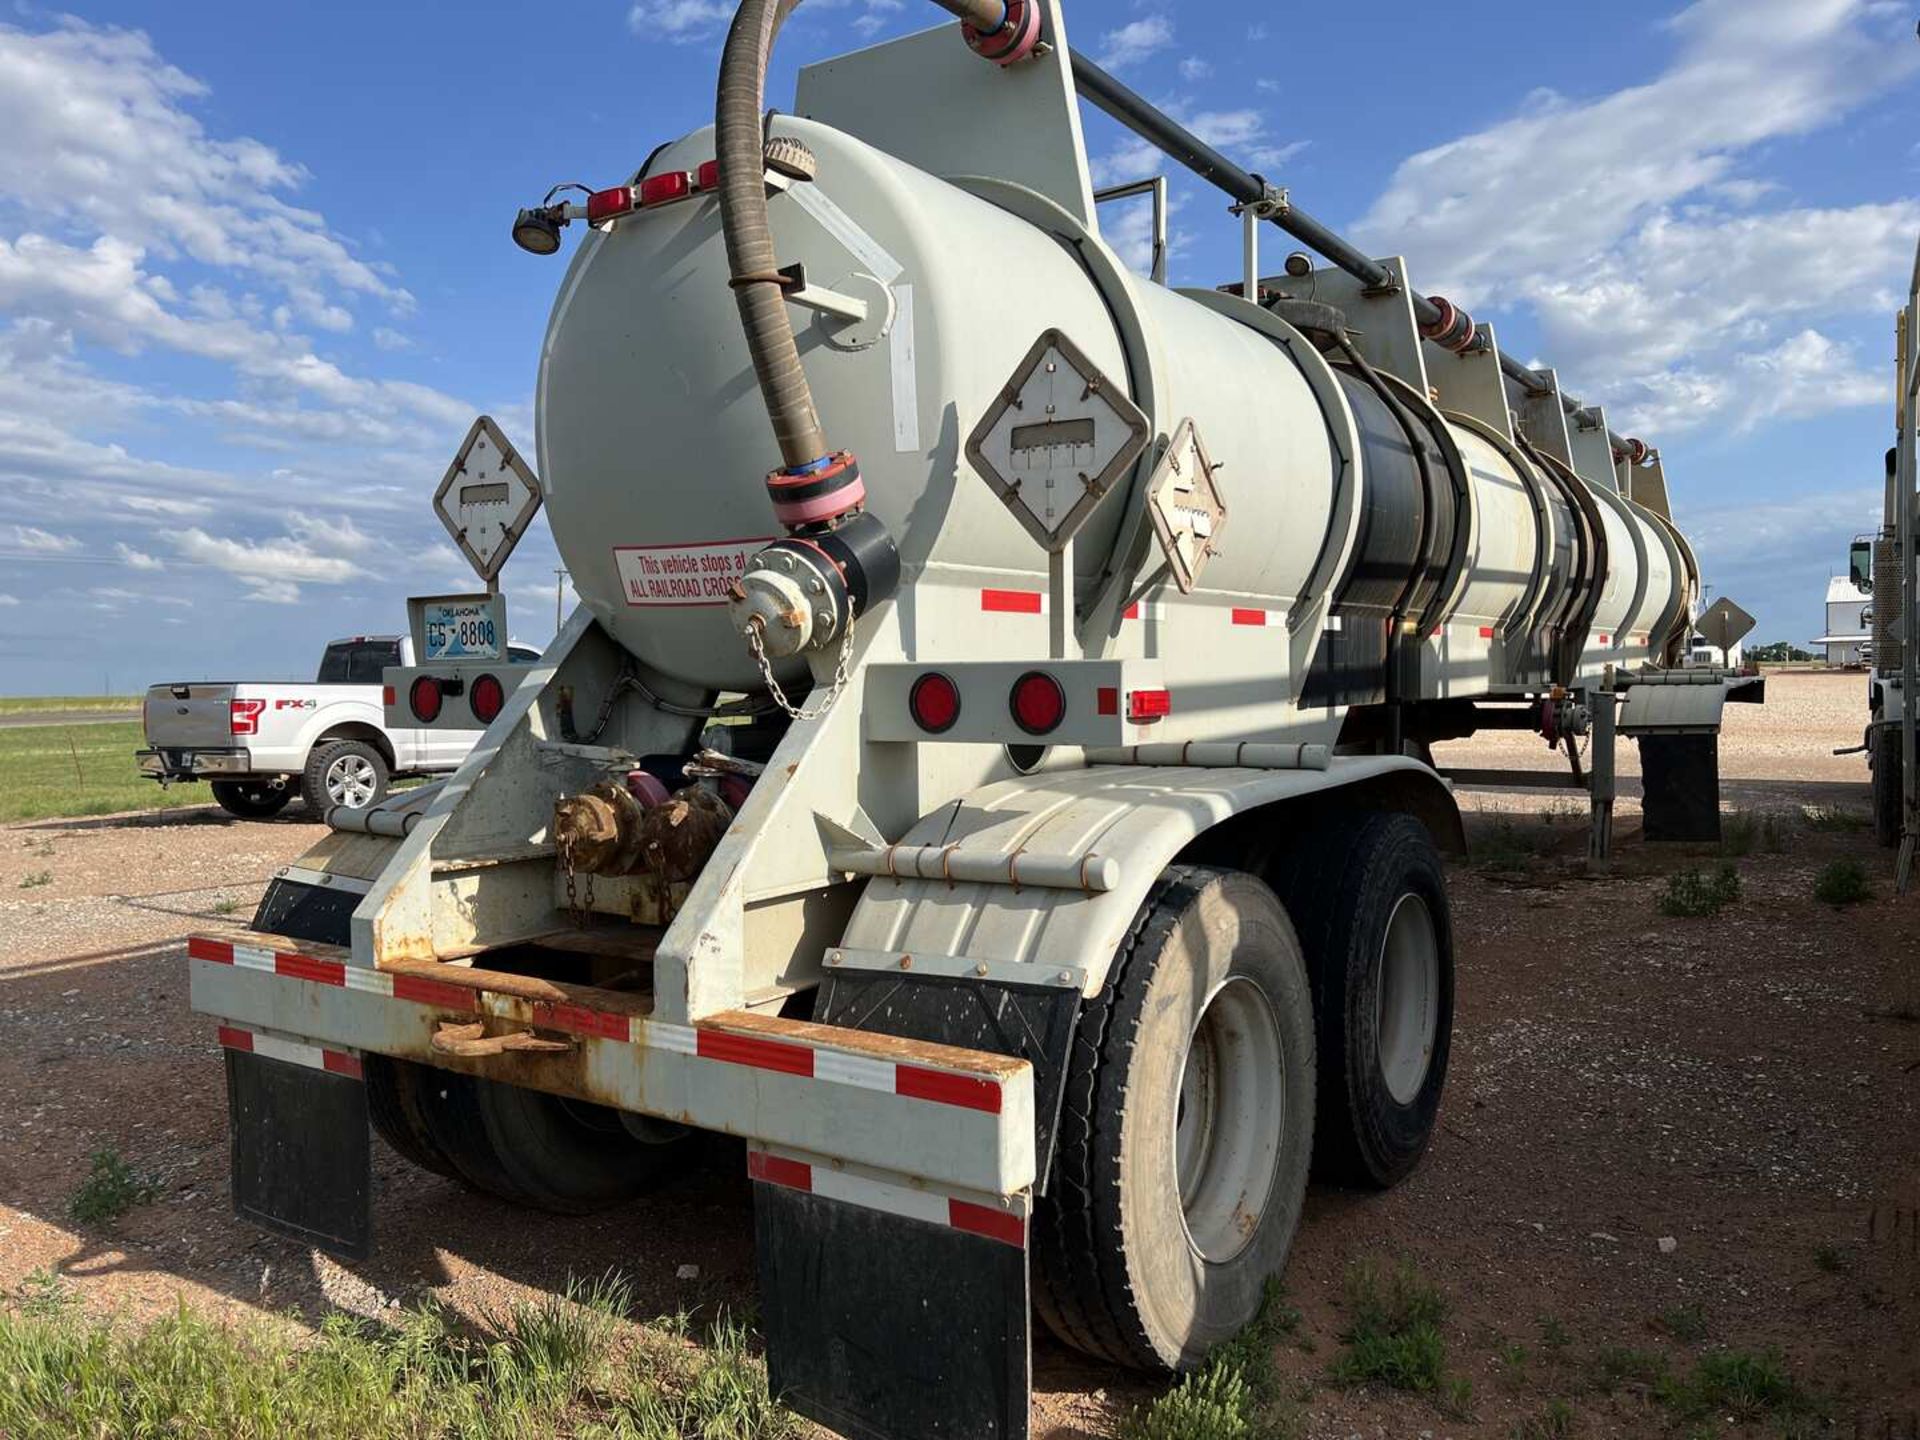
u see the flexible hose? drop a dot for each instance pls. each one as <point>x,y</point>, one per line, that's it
<point>740,144</point>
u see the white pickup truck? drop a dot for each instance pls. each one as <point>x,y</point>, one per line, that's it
<point>260,743</point>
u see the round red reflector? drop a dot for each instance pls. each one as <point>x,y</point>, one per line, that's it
<point>1038,703</point>
<point>487,696</point>
<point>425,699</point>
<point>935,702</point>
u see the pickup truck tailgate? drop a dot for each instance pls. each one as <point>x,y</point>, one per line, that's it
<point>185,717</point>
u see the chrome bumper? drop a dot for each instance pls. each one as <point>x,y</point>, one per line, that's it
<point>193,764</point>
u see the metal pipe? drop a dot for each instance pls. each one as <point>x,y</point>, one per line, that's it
<point>1246,188</point>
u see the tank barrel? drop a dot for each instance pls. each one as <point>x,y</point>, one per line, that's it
<point>1154,125</point>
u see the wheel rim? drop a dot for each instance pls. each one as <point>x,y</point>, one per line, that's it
<point>1406,1007</point>
<point>1230,1120</point>
<point>350,781</point>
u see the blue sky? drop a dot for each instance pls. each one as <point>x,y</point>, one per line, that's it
<point>255,277</point>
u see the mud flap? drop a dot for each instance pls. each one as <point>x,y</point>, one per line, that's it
<point>1680,785</point>
<point>891,1312</point>
<point>301,1153</point>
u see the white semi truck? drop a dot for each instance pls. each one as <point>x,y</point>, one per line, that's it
<point>1014,815</point>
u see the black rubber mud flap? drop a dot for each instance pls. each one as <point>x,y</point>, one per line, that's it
<point>885,1327</point>
<point>1680,787</point>
<point>301,1153</point>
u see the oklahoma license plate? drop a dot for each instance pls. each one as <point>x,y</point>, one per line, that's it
<point>461,630</point>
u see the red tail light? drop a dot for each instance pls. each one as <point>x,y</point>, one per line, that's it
<point>243,716</point>
<point>935,702</point>
<point>486,697</point>
<point>1038,703</point>
<point>707,177</point>
<point>609,204</point>
<point>386,695</point>
<point>425,699</point>
<point>664,188</point>
<point>1146,706</point>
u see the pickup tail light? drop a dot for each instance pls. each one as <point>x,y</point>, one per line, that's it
<point>486,697</point>
<point>243,716</point>
<point>1146,706</point>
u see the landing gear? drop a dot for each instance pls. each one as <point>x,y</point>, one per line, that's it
<point>1369,899</point>
<point>1884,755</point>
<point>1186,1135</point>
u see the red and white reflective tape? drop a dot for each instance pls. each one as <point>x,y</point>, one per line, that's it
<point>294,1052</point>
<point>1007,1224</point>
<point>727,1047</point>
<point>1145,610</point>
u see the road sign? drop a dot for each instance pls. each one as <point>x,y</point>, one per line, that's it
<point>488,498</point>
<point>1055,440</point>
<point>1185,506</point>
<point>1724,625</point>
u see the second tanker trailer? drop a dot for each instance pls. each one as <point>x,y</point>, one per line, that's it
<point>990,768</point>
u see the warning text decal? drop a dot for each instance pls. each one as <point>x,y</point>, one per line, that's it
<point>696,574</point>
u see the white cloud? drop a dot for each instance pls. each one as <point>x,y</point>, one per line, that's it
<point>686,22</point>
<point>138,559</point>
<point>1194,68</point>
<point>28,537</point>
<point>1134,42</point>
<point>9,600</point>
<point>1660,282</point>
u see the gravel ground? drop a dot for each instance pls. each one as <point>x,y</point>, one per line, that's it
<point>1743,1087</point>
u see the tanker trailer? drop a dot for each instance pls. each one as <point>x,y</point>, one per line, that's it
<point>989,769</point>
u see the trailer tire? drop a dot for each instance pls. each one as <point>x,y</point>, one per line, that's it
<point>1887,792</point>
<point>393,1107</point>
<point>541,1151</point>
<point>1195,1065</point>
<point>343,772</point>
<point>251,799</point>
<point>1368,897</point>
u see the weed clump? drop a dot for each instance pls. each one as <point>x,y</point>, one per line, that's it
<point>112,1188</point>
<point>1844,882</point>
<point>1393,1337</point>
<point>1743,1383</point>
<point>1694,894</point>
<point>1237,1396</point>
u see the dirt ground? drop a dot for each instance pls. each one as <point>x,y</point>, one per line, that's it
<point>1743,1087</point>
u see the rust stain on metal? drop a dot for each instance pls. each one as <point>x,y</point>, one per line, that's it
<point>528,987</point>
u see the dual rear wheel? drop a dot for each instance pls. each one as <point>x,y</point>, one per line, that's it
<point>1243,1038</point>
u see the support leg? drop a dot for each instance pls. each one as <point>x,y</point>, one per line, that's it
<point>1600,838</point>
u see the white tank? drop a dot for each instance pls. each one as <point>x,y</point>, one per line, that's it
<point>654,443</point>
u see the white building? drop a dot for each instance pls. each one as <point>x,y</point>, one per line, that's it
<point>1847,622</point>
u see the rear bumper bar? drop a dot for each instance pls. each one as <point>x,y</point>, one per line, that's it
<point>193,764</point>
<point>934,1113</point>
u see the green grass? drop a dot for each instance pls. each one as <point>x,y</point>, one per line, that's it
<point>1686,1323</point>
<point>1746,1384</point>
<point>1555,1421</point>
<point>568,1365</point>
<point>59,770</point>
<point>1393,1332</point>
<point>1238,1396</point>
<point>1832,820</point>
<point>1691,893</point>
<point>1511,847</point>
<point>1744,831</point>
<point>1615,1366</point>
<point>1843,882</point>
<point>42,704</point>
<point>112,1188</point>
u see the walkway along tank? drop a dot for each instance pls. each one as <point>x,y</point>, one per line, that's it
<point>989,769</point>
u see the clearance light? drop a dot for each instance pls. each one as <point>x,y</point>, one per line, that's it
<point>486,697</point>
<point>386,695</point>
<point>1038,703</point>
<point>425,699</point>
<point>934,702</point>
<point>609,204</point>
<point>1146,706</point>
<point>665,188</point>
<point>243,716</point>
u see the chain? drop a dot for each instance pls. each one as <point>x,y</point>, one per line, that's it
<point>798,712</point>
<point>578,913</point>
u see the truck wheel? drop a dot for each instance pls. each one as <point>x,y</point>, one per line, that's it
<point>251,799</point>
<point>1887,797</point>
<point>393,1107</point>
<point>1369,899</point>
<point>1187,1130</point>
<point>343,772</point>
<point>542,1151</point>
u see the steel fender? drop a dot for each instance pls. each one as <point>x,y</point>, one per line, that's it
<point>1141,816</point>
